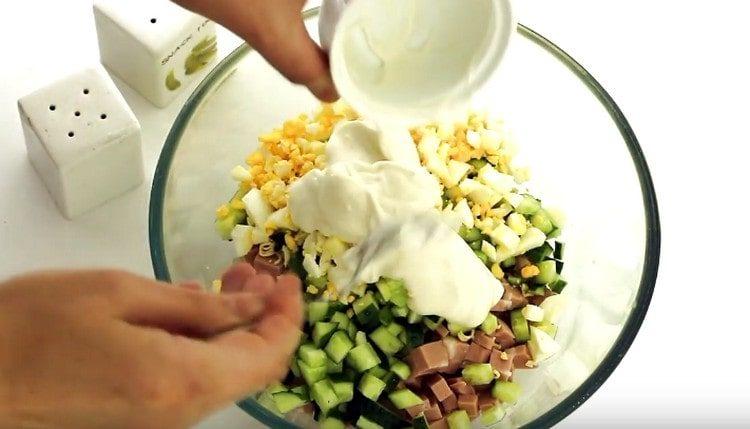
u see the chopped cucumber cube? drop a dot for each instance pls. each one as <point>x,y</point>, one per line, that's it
<point>332,423</point>
<point>493,415</point>
<point>360,338</point>
<point>378,372</point>
<point>319,282</point>
<point>310,374</point>
<point>459,420</point>
<point>333,367</point>
<point>520,326</point>
<point>558,286</point>
<point>541,220</point>
<point>490,324</point>
<point>302,391</point>
<point>322,332</point>
<point>371,387</point>
<point>364,423</point>
<point>401,311</point>
<point>362,357</point>
<point>470,234</point>
<point>510,262</point>
<point>540,253</point>
<point>276,388</point>
<point>404,398</point>
<point>323,394</point>
<point>478,374</point>
<point>338,346</point>
<point>507,392</point>
<point>559,250</point>
<point>401,369</point>
<point>547,272</point>
<point>413,318</point>
<point>344,391</point>
<point>287,401</point>
<point>366,309</point>
<point>312,356</point>
<point>395,329</point>
<point>317,311</point>
<point>385,316</point>
<point>528,206</point>
<point>482,256</point>
<point>341,319</point>
<point>391,381</point>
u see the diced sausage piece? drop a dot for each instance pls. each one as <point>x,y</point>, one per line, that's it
<point>442,331</point>
<point>272,265</point>
<point>428,359</point>
<point>521,356</point>
<point>414,383</point>
<point>461,387</point>
<point>433,413</point>
<point>252,254</point>
<point>470,404</point>
<point>439,387</point>
<point>477,354</point>
<point>504,335</point>
<point>457,352</point>
<point>486,401</point>
<point>515,296</point>
<point>484,340</point>
<point>502,306</point>
<point>449,404</point>
<point>417,409</point>
<point>503,366</point>
<point>439,424</point>
<point>308,408</point>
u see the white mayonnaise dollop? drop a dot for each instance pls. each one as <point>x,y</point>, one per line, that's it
<point>442,274</point>
<point>363,185</point>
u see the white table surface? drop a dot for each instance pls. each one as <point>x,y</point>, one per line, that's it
<point>678,69</point>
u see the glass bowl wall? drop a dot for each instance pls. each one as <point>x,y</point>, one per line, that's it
<point>583,156</point>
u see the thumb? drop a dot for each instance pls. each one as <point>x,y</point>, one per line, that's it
<point>190,312</point>
<point>294,54</point>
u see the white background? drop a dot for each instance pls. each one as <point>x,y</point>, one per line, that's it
<point>678,69</point>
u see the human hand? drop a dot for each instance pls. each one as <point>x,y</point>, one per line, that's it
<point>276,30</point>
<point>110,349</point>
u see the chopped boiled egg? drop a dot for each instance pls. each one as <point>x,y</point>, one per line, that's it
<point>474,139</point>
<point>491,141</point>
<point>553,307</point>
<point>541,345</point>
<point>464,212</point>
<point>489,250</point>
<point>532,313</point>
<point>533,238</point>
<point>258,209</point>
<point>503,236</point>
<point>241,174</point>
<point>242,238</point>
<point>502,183</point>
<point>280,219</point>
<point>517,222</point>
<point>457,171</point>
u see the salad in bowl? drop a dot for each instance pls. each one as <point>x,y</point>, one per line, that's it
<point>432,274</point>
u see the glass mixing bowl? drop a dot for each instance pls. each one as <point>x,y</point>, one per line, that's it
<point>583,155</point>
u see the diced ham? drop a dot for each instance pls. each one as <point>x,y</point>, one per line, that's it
<point>484,340</point>
<point>503,366</point>
<point>486,401</point>
<point>477,354</point>
<point>439,387</point>
<point>442,331</point>
<point>414,383</point>
<point>432,412</point>
<point>449,404</point>
<point>250,257</point>
<point>417,409</point>
<point>520,356</point>
<point>470,404</point>
<point>461,387</point>
<point>504,335</point>
<point>515,296</point>
<point>457,352</point>
<point>428,359</point>
<point>439,424</point>
<point>308,408</point>
<point>272,265</point>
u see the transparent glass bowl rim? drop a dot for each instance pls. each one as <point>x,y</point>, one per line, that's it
<point>653,230</point>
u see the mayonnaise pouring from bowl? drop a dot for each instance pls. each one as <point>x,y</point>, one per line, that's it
<point>400,61</point>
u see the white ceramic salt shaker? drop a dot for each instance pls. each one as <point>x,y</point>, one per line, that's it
<point>83,140</point>
<point>155,46</point>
